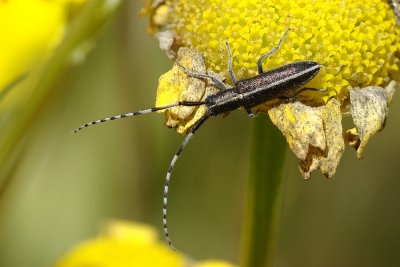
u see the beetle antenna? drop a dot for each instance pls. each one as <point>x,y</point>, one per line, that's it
<point>140,112</point>
<point>168,176</point>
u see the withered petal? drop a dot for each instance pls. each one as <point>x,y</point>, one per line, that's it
<point>301,125</point>
<point>314,134</point>
<point>176,85</point>
<point>369,109</point>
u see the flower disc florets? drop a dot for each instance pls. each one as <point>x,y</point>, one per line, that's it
<point>357,43</point>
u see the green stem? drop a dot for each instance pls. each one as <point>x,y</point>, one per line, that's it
<point>264,194</point>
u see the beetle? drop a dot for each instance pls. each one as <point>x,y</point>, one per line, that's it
<point>246,93</point>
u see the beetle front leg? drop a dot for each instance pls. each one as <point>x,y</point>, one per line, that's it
<point>231,73</point>
<point>273,50</point>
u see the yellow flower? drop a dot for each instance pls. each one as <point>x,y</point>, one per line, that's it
<point>29,30</point>
<point>354,40</point>
<point>357,43</point>
<point>129,244</point>
<point>37,41</point>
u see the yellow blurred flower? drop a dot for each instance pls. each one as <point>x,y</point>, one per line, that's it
<point>213,263</point>
<point>38,40</point>
<point>129,244</point>
<point>357,43</point>
<point>29,30</point>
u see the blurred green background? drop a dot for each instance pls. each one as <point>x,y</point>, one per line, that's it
<point>66,186</point>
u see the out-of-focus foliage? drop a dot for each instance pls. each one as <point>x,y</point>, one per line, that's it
<point>65,185</point>
<point>39,39</point>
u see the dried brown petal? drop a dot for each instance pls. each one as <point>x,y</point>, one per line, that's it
<point>176,85</point>
<point>166,41</point>
<point>327,160</point>
<point>390,89</point>
<point>313,133</point>
<point>301,125</point>
<point>352,138</point>
<point>369,108</point>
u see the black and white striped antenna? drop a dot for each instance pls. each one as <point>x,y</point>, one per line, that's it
<point>174,159</point>
<point>168,176</point>
<point>140,112</point>
<point>246,93</point>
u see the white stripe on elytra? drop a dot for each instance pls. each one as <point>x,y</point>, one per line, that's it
<point>288,78</point>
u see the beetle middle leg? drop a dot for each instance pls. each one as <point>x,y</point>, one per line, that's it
<point>231,73</point>
<point>293,97</point>
<point>250,113</point>
<point>273,50</point>
<point>217,82</point>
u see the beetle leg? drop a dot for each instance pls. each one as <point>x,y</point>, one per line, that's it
<point>217,82</point>
<point>395,4</point>
<point>250,113</point>
<point>287,98</point>
<point>273,50</point>
<point>293,97</point>
<point>231,73</point>
<point>309,89</point>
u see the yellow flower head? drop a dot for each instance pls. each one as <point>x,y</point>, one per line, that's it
<point>357,43</point>
<point>132,245</point>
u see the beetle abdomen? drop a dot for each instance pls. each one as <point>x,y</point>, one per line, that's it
<point>276,82</point>
<point>294,73</point>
